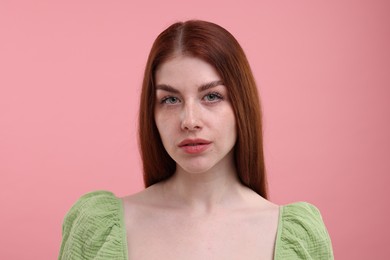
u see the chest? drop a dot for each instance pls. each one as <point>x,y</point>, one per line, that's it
<point>218,237</point>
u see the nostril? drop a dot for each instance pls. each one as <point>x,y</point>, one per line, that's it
<point>190,119</point>
<point>191,125</point>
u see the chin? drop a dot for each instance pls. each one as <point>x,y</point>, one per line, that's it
<point>195,169</point>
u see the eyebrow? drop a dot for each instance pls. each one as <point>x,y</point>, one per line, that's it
<point>202,88</point>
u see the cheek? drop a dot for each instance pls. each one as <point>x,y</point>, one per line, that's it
<point>164,125</point>
<point>228,120</point>
<point>232,127</point>
<point>160,127</point>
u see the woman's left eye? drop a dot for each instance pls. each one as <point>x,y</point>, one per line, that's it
<point>212,97</point>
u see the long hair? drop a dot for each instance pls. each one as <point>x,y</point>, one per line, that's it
<point>215,45</point>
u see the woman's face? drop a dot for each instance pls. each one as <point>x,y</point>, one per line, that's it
<point>194,115</point>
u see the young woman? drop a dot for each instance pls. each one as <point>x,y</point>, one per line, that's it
<point>201,144</point>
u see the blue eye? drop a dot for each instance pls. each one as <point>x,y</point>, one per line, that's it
<point>169,100</point>
<point>212,97</point>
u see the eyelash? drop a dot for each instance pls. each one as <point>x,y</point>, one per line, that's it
<point>216,94</point>
<point>165,99</point>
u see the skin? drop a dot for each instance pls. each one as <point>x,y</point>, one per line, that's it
<point>202,211</point>
<point>193,113</point>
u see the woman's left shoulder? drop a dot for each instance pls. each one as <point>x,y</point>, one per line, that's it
<point>302,233</point>
<point>308,211</point>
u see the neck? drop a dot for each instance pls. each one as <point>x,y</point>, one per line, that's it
<point>204,192</point>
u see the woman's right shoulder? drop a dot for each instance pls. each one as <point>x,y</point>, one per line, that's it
<point>140,206</point>
<point>93,218</point>
<point>144,198</point>
<point>93,199</point>
<point>92,204</point>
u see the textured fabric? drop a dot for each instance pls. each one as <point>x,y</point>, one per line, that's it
<point>302,234</point>
<point>94,229</point>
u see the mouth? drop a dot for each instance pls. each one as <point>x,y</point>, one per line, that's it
<point>193,142</point>
<point>194,146</point>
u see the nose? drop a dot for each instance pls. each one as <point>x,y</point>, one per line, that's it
<point>191,120</point>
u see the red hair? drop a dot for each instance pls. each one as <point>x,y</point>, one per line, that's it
<point>215,45</point>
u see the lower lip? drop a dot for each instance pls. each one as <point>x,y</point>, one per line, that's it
<point>194,149</point>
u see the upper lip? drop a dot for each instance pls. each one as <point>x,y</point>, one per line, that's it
<point>193,141</point>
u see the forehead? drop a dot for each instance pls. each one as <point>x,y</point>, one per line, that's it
<point>185,70</point>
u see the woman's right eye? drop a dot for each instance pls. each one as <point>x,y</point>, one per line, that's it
<point>169,100</point>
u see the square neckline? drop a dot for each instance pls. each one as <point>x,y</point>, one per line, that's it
<point>124,229</point>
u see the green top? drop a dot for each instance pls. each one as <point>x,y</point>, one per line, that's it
<point>94,228</point>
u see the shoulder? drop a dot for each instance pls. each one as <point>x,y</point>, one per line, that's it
<point>302,233</point>
<point>93,228</point>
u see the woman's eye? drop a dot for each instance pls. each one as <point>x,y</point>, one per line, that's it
<point>212,97</point>
<point>170,100</point>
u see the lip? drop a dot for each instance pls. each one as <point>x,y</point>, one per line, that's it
<point>197,141</point>
<point>194,146</point>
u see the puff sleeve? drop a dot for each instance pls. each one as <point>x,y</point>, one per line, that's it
<point>94,229</point>
<point>302,234</point>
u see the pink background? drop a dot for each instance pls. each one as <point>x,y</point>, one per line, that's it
<point>70,79</point>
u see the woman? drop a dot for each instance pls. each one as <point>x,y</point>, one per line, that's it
<point>201,145</point>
